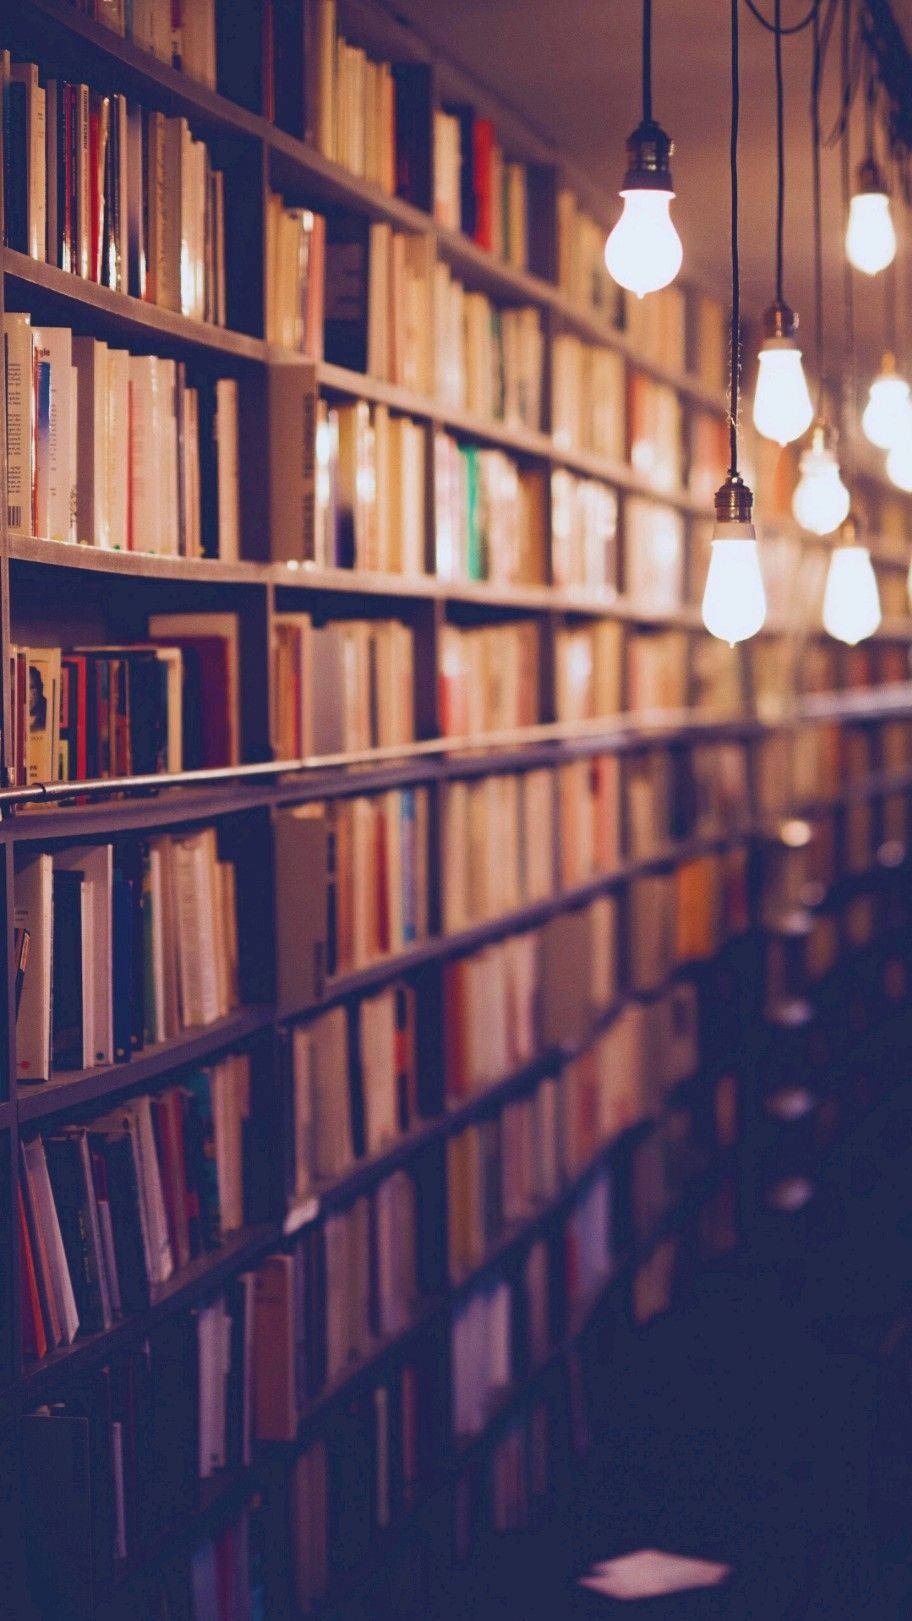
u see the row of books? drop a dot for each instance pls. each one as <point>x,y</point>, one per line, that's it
<point>685,915</point>
<point>499,1171</point>
<point>476,189</point>
<point>498,834</point>
<point>489,678</point>
<point>164,705</point>
<point>584,532</point>
<point>342,687</point>
<point>117,450</point>
<point>133,1446</point>
<point>351,886</point>
<point>356,105</point>
<point>489,516</point>
<point>378,302</point>
<point>655,432</point>
<point>370,490</point>
<point>491,1014</point>
<point>488,360</point>
<point>116,950</point>
<point>657,328</point>
<point>181,33</point>
<point>588,398</point>
<point>355,1085</point>
<point>589,818</point>
<point>113,192</point>
<point>295,277</point>
<point>588,662</point>
<point>350,1282</point>
<point>109,1210</point>
<point>582,274</point>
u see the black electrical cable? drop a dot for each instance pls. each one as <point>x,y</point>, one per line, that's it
<point>647,61</point>
<point>818,213</point>
<point>850,390</point>
<point>780,149</point>
<point>793,28</point>
<point>735,262</point>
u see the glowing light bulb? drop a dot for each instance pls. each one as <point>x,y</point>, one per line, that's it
<point>734,601</point>
<point>899,462</point>
<point>851,601</point>
<point>821,501</point>
<point>644,252</point>
<point>870,233</point>
<point>783,410</point>
<point>888,413</point>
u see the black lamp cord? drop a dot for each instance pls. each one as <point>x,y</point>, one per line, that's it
<point>818,214</point>
<point>850,391</point>
<point>647,61</point>
<point>780,147</point>
<point>735,262</point>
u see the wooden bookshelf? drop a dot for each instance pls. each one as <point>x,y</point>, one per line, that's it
<point>43,581</point>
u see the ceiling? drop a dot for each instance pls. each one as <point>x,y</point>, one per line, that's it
<point>572,70</point>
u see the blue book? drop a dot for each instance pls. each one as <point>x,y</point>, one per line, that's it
<point>42,445</point>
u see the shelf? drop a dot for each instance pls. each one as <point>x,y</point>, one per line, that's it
<point>202,1277</point>
<point>84,1088</point>
<point>30,552</point>
<point>70,298</point>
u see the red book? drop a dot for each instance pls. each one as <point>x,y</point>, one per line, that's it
<point>34,1338</point>
<point>483,181</point>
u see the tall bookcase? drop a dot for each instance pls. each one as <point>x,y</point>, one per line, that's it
<point>708,1202</point>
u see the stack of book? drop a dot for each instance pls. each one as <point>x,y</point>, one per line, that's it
<point>488,360</point>
<point>588,398</point>
<point>656,327</point>
<point>655,432</point>
<point>370,490</point>
<point>295,273</point>
<point>482,1355</point>
<point>116,450</point>
<point>589,809</point>
<point>584,526</point>
<point>587,670</point>
<point>650,784</point>
<point>579,970</point>
<point>165,705</point>
<point>342,687</point>
<point>499,1172</point>
<point>489,678</point>
<point>599,1098</point>
<point>136,1446</point>
<point>350,1283</point>
<point>503,980</point>
<point>351,886</point>
<point>656,670</point>
<point>581,271</point>
<point>709,454</point>
<point>115,193</point>
<point>497,846</point>
<point>653,555</point>
<point>181,33</point>
<point>711,338</point>
<point>378,291</point>
<point>352,1097</point>
<point>476,189</point>
<point>489,519</point>
<point>116,951</point>
<point>109,1210</point>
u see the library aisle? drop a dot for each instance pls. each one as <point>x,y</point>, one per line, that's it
<point>455,809</point>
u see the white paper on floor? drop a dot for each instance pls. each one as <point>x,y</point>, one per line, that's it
<point>649,1573</point>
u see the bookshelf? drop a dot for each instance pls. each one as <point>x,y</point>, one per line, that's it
<point>655,702</point>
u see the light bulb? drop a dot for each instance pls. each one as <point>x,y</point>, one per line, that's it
<point>888,414</point>
<point>643,252</point>
<point>734,601</point>
<point>783,410</point>
<point>821,501</point>
<point>870,234</point>
<point>851,601</point>
<point>899,463</point>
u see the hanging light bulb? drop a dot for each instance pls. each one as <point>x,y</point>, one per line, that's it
<point>851,600</point>
<point>734,601</point>
<point>821,501</point>
<point>870,234</point>
<point>783,409</point>
<point>643,252</point>
<point>888,413</point>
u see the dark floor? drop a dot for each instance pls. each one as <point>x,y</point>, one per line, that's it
<point>767,1425</point>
